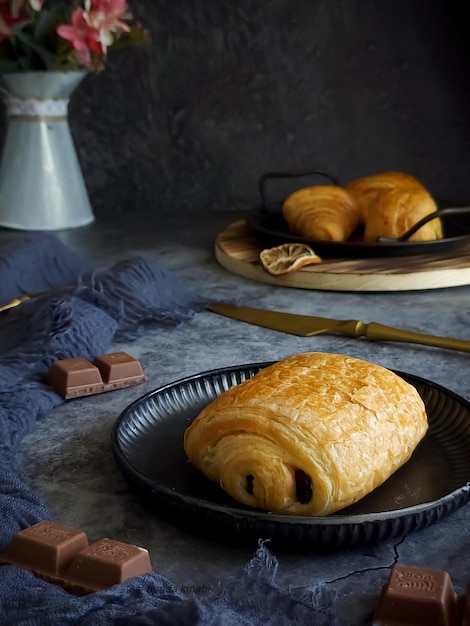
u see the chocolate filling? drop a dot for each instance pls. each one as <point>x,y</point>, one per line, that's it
<point>249,483</point>
<point>303,487</point>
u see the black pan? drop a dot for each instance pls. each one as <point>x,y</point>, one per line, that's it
<point>267,221</point>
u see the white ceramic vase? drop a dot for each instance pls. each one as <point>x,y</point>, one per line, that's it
<point>41,182</point>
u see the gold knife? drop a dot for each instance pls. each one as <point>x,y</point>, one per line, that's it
<point>14,303</point>
<point>309,325</point>
<point>25,297</point>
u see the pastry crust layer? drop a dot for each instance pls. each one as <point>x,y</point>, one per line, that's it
<point>324,212</point>
<point>308,435</point>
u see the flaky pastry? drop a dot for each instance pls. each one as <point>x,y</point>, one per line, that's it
<point>392,202</point>
<point>324,212</point>
<point>308,435</point>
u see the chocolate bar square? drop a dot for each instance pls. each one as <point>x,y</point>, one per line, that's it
<point>118,366</point>
<point>47,546</point>
<point>73,375</point>
<point>417,596</point>
<point>108,562</point>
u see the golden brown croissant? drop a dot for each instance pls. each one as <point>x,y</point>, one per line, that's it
<point>308,435</point>
<point>366,189</point>
<point>324,212</point>
<point>392,202</point>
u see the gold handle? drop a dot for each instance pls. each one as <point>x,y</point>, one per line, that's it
<point>13,303</point>
<point>380,332</point>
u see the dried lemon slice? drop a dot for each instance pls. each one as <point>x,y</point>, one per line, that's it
<point>288,257</point>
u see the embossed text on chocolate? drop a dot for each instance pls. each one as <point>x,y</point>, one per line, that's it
<point>417,580</point>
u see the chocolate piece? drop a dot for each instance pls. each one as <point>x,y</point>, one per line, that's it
<point>303,486</point>
<point>118,366</point>
<point>62,555</point>
<point>417,596</point>
<point>47,546</point>
<point>108,562</point>
<point>73,378</point>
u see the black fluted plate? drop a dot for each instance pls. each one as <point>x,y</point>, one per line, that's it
<point>147,442</point>
<point>271,226</point>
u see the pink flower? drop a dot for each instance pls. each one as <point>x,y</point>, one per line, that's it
<point>107,6</point>
<point>83,37</point>
<point>87,29</point>
<point>107,16</point>
<point>12,14</point>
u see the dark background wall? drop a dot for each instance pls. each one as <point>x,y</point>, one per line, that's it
<point>230,89</point>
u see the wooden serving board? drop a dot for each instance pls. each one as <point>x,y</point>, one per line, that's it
<point>237,249</point>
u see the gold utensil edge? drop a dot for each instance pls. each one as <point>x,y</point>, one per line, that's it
<point>309,326</point>
<point>14,303</point>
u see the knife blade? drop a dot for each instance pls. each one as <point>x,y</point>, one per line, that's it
<point>309,326</point>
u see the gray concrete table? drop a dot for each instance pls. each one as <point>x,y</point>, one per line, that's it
<point>68,460</point>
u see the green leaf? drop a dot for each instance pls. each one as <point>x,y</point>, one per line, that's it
<point>48,20</point>
<point>30,45</point>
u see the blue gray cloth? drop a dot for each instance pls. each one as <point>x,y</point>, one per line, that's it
<point>94,310</point>
<point>36,263</point>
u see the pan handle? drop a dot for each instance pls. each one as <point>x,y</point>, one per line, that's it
<point>424,220</point>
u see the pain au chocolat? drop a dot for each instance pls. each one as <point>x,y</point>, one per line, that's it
<point>308,435</point>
